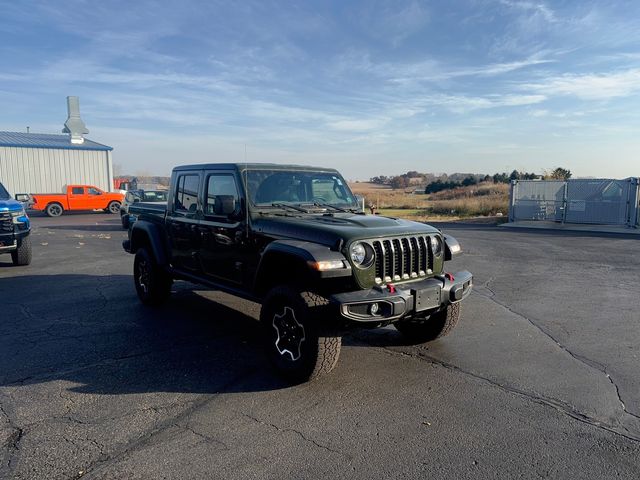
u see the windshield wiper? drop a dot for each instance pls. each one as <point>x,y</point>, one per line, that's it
<point>328,205</point>
<point>292,207</point>
<point>338,209</point>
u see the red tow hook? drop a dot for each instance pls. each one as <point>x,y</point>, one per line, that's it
<point>391,287</point>
<point>449,277</point>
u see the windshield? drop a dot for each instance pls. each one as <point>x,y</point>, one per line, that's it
<point>4,195</point>
<point>267,187</point>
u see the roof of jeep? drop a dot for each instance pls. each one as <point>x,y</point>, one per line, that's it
<point>252,166</point>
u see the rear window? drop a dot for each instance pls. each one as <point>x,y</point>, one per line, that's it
<point>154,196</point>
<point>187,192</point>
<point>77,190</point>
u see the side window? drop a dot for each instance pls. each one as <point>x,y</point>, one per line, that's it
<point>187,193</point>
<point>77,191</point>
<point>222,197</point>
<point>94,191</point>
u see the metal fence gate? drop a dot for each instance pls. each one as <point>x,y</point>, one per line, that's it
<point>601,201</point>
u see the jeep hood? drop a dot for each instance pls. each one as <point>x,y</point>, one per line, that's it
<point>329,229</point>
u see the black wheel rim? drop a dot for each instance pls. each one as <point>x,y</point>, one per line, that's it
<point>54,210</point>
<point>142,276</point>
<point>289,334</point>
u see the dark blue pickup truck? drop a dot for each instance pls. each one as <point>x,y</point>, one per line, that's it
<point>14,229</point>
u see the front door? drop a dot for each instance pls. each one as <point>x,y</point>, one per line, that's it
<point>183,220</point>
<point>95,199</point>
<point>222,229</point>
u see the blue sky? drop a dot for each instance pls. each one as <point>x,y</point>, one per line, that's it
<point>369,87</point>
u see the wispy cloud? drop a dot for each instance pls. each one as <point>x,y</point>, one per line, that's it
<point>321,81</point>
<point>361,125</point>
<point>535,8</point>
<point>431,70</point>
<point>393,21</point>
<point>600,86</point>
<point>463,104</point>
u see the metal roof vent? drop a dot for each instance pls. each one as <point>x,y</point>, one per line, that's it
<point>74,125</point>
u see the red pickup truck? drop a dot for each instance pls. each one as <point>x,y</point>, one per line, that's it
<point>78,197</point>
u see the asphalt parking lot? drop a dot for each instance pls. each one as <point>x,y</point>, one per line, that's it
<point>540,379</point>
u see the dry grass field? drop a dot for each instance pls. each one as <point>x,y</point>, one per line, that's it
<point>482,200</point>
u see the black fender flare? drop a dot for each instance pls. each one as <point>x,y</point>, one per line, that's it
<point>142,230</point>
<point>306,253</point>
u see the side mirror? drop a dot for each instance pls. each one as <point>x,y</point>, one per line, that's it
<point>225,205</point>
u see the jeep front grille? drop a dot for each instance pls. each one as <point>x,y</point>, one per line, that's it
<point>402,258</point>
<point>6,224</point>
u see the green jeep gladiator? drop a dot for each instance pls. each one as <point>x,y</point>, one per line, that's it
<point>294,239</point>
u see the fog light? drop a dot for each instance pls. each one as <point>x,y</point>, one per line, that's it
<point>374,308</point>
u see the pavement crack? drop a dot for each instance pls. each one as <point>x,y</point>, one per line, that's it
<point>103,362</point>
<point>12,443</point>
<point>592,364</point>
<point>294,431</point>
<point>206,438</point>
<point>161,427</point>
<point>558,405</point>
<point>617,389</point>
<point>24,309</point>
<point>540,329</point>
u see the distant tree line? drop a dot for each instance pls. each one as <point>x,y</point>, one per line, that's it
<point>435,183</point>
<point>515,175</point>
<point>440,185</point>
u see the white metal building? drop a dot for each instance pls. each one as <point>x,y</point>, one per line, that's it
<point>46,163</point>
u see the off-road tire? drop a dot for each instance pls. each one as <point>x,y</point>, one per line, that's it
<point>113,207</point>
<point>318,353</point>
<point>22,256</point>
<point>436,325</point>
<point>152,283</point>
<point>54,210</point>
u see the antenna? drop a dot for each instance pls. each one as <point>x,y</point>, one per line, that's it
<point>246,192</point>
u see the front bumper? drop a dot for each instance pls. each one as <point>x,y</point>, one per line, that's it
<point>388,303</point>
<point>11,241</point>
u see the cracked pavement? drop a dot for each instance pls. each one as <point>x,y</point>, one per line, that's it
<point>539,380</point>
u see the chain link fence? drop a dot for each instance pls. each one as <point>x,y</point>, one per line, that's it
<point>587,201</point>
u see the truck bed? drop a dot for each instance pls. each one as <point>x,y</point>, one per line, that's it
<point>153,211</point>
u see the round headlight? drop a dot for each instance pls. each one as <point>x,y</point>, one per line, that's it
<point>436,246</point>
<point>358,253</point>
